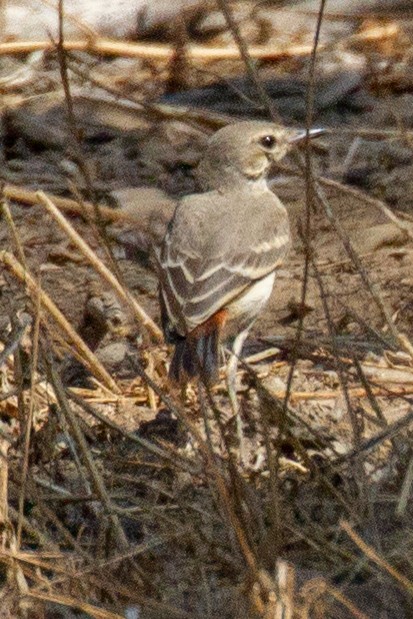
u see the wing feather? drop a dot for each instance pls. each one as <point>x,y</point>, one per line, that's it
<point>200,276</point>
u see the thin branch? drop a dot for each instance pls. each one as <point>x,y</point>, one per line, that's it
<point>86,355</point>
<point>98,265</point>
<point>155,51</point>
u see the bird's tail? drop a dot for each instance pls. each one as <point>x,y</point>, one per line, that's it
<point>196,356</point>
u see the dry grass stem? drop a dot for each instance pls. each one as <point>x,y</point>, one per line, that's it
<point>4,493</point>
<point>90,360</point>
<point>98,265</point>
<point>373,556</point>
<point>75,603</point>
<point>86,455</point>
<point>29,420</point>
<point>336,593</point>
<point>17,244</point>
<point>404,226</point>
<point>153,51</point>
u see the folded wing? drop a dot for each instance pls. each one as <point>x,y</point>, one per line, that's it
<point>202,272</point>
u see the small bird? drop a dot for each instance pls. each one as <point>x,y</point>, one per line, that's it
<point>220,254</point>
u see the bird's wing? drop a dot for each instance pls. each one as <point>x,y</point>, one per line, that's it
<point>201,275</point>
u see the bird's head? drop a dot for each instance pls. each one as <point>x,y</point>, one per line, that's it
<point>245,151</point>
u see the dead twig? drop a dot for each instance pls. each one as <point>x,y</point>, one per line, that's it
<point>86,456</point>
<point>162,453</point>
<point>83,351</point>
<point>64,600</point>
<point>98,265</point>
<point>155,51</point>
<point>15,238</point>
<point>367,446</point>
<point>406,228</point>
<point>29,420</point>
<point>373,556</point>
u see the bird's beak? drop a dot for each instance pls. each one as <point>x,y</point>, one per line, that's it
<point>301,135</point>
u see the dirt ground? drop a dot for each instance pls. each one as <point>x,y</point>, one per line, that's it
<point>352,376</point>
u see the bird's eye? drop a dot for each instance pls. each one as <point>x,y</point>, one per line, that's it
<point>267,141</point>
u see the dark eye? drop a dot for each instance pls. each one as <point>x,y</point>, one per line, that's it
<point>267,141</point>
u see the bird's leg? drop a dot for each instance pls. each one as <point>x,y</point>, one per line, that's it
<point>231,377</point>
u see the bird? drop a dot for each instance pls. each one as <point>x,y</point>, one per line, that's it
<point>223,246</point>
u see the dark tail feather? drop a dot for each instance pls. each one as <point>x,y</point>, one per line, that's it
<point>196,357</point>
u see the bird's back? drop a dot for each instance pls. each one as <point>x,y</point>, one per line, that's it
<point>210,224</point>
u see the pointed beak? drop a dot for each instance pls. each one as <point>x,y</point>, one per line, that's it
<point>300,135</point>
